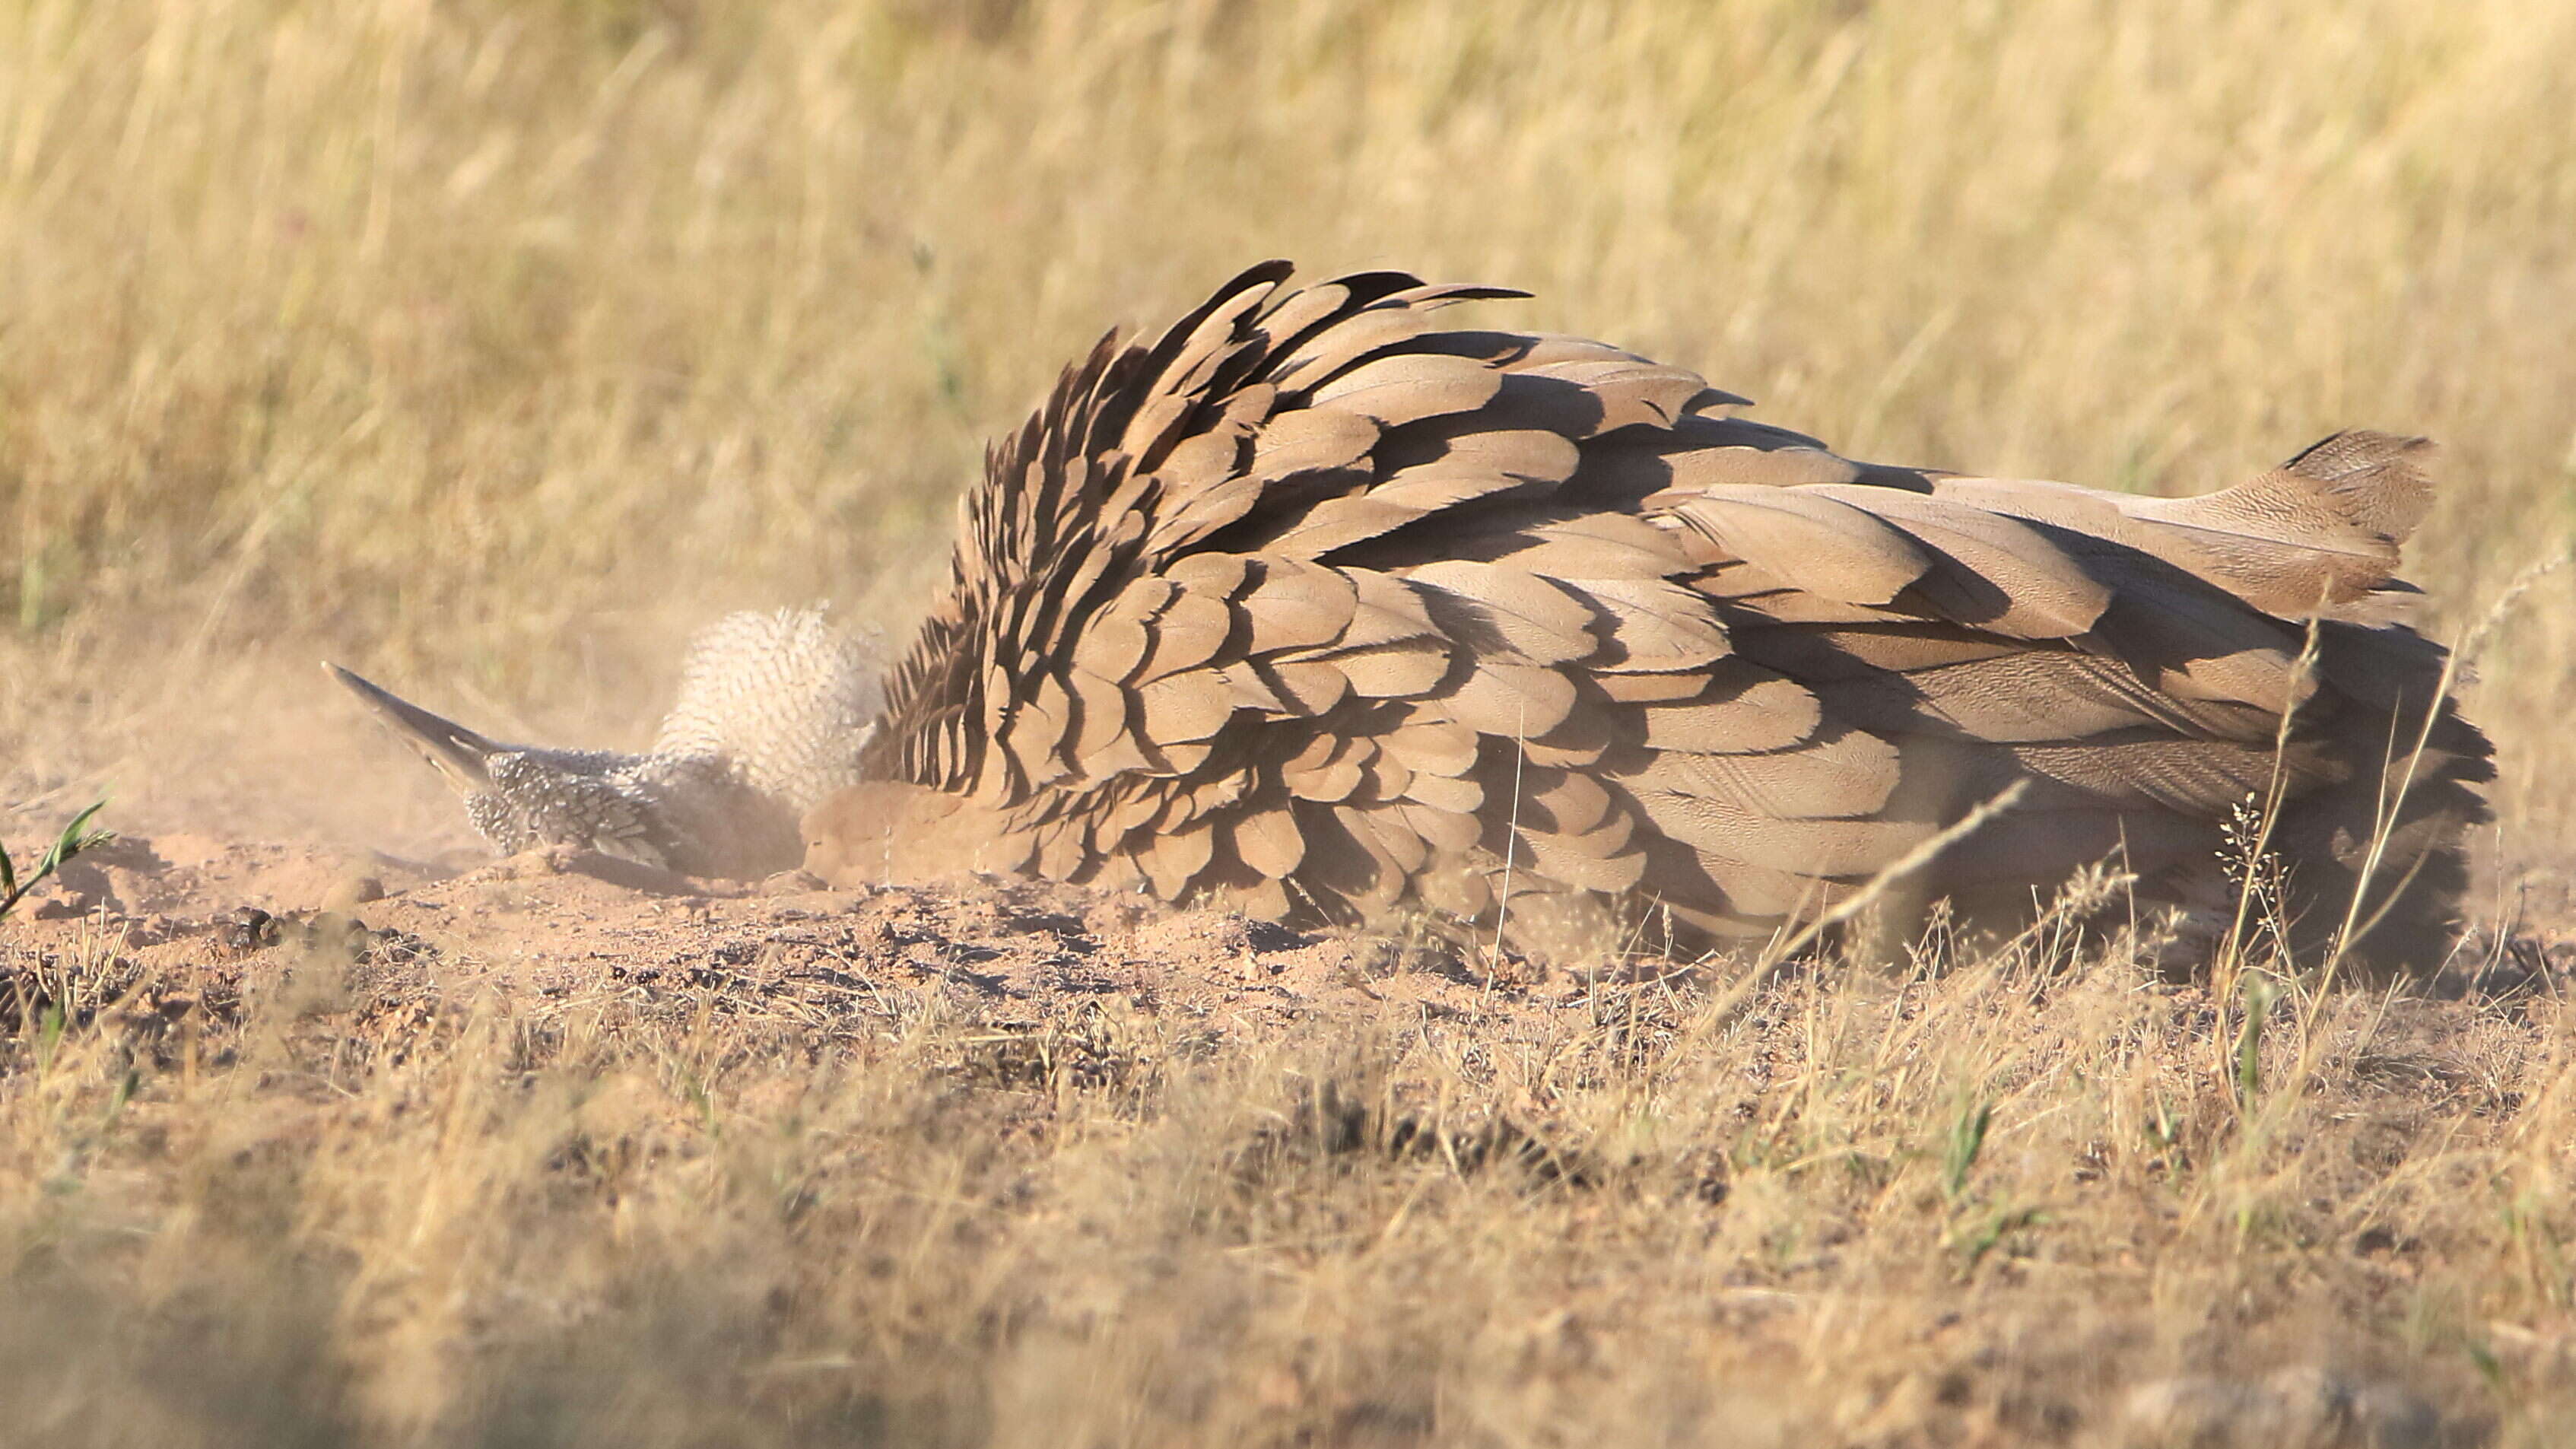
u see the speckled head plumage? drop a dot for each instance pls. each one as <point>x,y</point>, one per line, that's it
<point>772,711</point>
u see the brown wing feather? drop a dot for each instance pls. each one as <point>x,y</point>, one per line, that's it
<point>1326,604</point>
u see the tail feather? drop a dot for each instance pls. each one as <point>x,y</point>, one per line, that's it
<point>2320,533</point>
<point>2373,479</point>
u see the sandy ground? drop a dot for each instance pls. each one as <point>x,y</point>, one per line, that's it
<point>178,926</point>
<point>553,922</point>
<point>211,919</point>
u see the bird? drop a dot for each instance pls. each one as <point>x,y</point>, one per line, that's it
<point>1321,606</point>
<point>772,710</point>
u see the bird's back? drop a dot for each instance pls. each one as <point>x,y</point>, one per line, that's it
<point>1324,606</point>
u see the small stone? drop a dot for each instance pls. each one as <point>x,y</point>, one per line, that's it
<point>247,928</point>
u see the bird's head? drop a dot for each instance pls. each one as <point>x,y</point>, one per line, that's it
<point>773,709</point>
<point>520,797</point>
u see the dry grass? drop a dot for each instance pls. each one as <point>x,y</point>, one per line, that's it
<point>495,344</point>
<point>1979,1208</point>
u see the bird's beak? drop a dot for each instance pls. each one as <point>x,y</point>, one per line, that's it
<point>458,752</point>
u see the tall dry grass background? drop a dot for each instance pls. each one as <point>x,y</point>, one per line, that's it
<point>489,346</point>
<point>493,345</point>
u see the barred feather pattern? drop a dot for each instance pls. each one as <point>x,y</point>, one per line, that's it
<point>1318,605</point>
